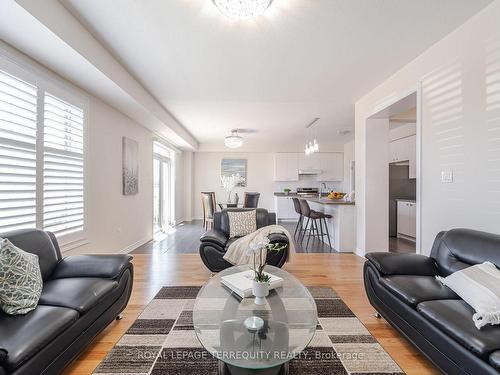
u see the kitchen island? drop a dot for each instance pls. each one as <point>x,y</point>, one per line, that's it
<point>342,225</point>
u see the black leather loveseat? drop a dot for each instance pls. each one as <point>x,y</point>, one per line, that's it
<point>81,295</point>
<point>215,242</point>
<point>403,289</point>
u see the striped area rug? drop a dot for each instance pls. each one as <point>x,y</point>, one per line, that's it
<point>162,341</point>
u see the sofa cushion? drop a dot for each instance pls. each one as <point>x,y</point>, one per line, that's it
<point>495,359</point>
<point>454,317</point>
<point>415,289</point>
<point>79,293</point>
<point>24,335</point>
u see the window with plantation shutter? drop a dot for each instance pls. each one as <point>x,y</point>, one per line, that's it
<point>18,128</point>
<point>42,155</point>
<point>63,184</point>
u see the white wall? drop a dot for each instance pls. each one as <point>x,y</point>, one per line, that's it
<point>460,78</point>
<point>348,158</point>
<point>260,171</point>
<point>116,222</point>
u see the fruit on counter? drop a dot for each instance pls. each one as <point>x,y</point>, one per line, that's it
<point>336,195</point>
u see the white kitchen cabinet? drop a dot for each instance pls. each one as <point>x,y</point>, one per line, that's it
<point>286,166</point>
<point>402,150</point>
<point>407,219</point>
<point>285,209</point>
<point>309,162</point>
<point>399,150</point>
<point>332,166</point>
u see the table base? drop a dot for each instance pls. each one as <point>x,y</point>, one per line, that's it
<point>225,369</point>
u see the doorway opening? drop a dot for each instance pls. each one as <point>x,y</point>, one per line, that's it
<point>403,180</point>
<point>162,190</point>
<point>393,176</point>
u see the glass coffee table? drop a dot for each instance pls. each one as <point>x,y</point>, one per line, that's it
<point>290,318</point>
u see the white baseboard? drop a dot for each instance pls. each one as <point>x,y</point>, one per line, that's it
<point>360,252</point>
<point>135,245</point>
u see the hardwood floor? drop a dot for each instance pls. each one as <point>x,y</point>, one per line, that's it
<point>342,272</point>
<point>400,245</point>
<point>185,239</point>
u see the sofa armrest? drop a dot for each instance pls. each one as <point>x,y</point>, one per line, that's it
<point>214,236</point>
<point>3,355</point>
<point>278,238</point>
<point>403,264</point>
<point>103,266</point>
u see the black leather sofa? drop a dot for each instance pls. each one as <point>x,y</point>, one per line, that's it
<point>403,289</point>
<point>215,242</point>
<point>82,294</point>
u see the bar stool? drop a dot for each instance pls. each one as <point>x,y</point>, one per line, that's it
<point>312,216</point>
<point>300,224</point>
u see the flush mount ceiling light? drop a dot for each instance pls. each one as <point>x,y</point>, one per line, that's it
<point>233,140</point>
<point>242,9</point>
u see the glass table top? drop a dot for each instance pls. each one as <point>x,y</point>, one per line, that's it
<point>290,319</point>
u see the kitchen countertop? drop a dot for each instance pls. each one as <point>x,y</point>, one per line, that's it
<point>327,201</point>
<point>294,194</point>
<point>406,200</point>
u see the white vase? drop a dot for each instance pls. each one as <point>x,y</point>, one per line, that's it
<point>260,291</point>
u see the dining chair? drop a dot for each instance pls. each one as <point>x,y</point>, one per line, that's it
<point>208,204</point>
<point>251,200</point>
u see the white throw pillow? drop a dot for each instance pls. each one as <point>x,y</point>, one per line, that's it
<point>479,286</point>
<point>20,279</point>
<point>242,223</point>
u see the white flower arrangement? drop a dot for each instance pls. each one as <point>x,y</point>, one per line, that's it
<point>230,182</point>
<point>255,249</point>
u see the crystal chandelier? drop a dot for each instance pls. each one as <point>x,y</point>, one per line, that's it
<point>312,147</point>
<point>233,140</point>
<point>242,9</point>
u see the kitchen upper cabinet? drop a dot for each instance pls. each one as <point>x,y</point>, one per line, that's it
<point>398,150</point>
<point>407,219</point>
<point>332,166</point>
<point>402,150</point>
<point>309,161</point>
<point>286,166</point>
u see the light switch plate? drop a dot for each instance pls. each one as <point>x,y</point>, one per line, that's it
<point>447,177</point>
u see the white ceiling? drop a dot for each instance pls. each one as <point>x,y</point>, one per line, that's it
<point>303,59</point>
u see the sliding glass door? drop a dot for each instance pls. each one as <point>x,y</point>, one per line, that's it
<point>162,205</point>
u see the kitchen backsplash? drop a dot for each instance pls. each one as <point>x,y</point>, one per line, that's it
<point>307,181</point>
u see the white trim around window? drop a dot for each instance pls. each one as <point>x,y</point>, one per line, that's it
<point>54,163</point>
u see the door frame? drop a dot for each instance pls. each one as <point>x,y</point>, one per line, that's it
<point>161,210</point>
<point>417,90</point>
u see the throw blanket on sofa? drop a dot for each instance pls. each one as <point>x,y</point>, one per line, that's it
<point>236,253</point>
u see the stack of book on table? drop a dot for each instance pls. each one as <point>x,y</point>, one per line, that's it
<point>241,282</point>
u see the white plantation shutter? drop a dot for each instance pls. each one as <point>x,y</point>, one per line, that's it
<point>18,128</point>
<point>63,167</point>
<point>42,168</point>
